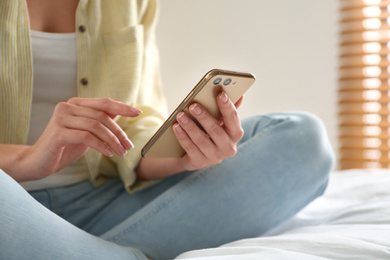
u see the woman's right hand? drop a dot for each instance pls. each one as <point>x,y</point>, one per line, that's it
<point>75,126</point>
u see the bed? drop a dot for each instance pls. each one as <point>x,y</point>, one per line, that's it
<point>351,221</point>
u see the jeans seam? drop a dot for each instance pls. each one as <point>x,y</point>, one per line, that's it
<point>79,202</point>
<point>85,203</point>
<point>162,205</point>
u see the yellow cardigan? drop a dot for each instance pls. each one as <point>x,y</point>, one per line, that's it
<point>117,58</point>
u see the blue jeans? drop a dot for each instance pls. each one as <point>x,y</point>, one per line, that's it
<point>282,164</point>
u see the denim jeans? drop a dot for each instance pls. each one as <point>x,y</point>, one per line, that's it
<point>282,163</point>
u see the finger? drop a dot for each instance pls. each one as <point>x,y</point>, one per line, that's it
<point>107,105</point>
<point>97,129</point>
<point>238,103</point>
<point>210,125</point>
<point>191,149</point>
<point>231,119</point>
<point>106,120</point>
<point>71,136</point>
<point>197,135</point>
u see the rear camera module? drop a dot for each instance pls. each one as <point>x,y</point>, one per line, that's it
<point>217,81</point>
<point>227,82</point>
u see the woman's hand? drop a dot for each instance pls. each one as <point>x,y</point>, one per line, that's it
<point>217,143</point>
<point>77,125</point>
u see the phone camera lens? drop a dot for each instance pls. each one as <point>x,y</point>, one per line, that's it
<point>217,81</point>
<point>227,82</point>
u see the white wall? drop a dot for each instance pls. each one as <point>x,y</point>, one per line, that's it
<point>291,47</point>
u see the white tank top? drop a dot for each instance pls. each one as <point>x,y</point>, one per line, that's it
<point>54,80</point>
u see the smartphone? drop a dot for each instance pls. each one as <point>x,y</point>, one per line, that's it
<point>163,143</point>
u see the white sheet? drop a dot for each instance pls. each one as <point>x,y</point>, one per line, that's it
<point>351,221</point>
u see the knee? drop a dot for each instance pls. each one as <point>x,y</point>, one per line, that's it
<point>313,137</point>
<point>298,137</point>
<point>296,142</point>
<point>312,145</point>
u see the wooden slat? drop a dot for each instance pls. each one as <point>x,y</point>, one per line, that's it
<point>365,96</point>
<point>363,119</point>
<point>363,49</point>
<point>355,164</point>
<point>363,143</point>
<point>363,84</point>
<point>361,124</point>
<point>364,13</point>
<point>371,24</point>
<point>367,162</point>
<point>362,108</point>
<point>363,73</point>
<point>356,134</point>
<point>364,61</point>
<point>365,148</point>
<point>381,36</point>
<point>367,155</point>
<point>382,112</point>
<point>354,4</point>
<point>364,131</point>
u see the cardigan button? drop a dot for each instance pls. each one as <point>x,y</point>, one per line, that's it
<point>82,28</point>
<point>84,81</point>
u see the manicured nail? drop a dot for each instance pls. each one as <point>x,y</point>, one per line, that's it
<point>109,153</point>
<point>122,150</point>
<point>178,128</point>
<point>182,117</point>
<point>135,110</point>
<point>196,109</point>
<point>224,97</point>
<point>128,144</point>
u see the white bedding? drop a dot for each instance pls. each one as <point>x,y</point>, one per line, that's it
<point>351,221</point>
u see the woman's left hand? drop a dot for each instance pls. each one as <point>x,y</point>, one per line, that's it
<point>217,143</point>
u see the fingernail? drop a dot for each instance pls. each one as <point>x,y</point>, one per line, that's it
<point>178,128</point>
<point>196,109</point>
<point>122,150</point>
<point>128,144</point>
<point>135,110</point>
<point>183,118</point>
<point>109,153</point>
<point>224,97</point>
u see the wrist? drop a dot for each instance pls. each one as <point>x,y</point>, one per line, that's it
<point>15,161</point>
<point>156,168</point>
<point>30,163</point>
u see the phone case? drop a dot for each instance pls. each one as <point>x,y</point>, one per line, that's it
<point>164,144</point>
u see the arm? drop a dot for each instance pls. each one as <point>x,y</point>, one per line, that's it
<point>75,126</point>
<point>14,159</point>
<point>155,168</point>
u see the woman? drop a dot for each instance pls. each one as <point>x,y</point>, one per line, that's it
<point>81,95</point>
